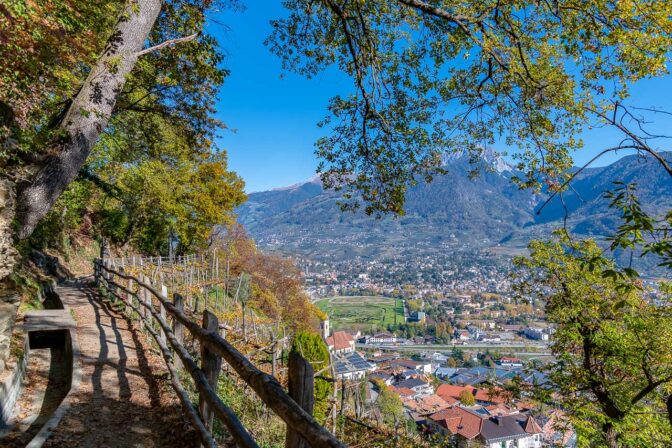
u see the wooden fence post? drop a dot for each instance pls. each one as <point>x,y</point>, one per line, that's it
<point>123,295</point>
<point>147,297</point>
<point>274,358</point>
<point>301,382</point>
<point>141,298</point>
<point>106,276</point>
<point>131,298</point>
<point>178,328</point>
<point>162,310</point>
<point>211,364</point>
<point>190,295</point>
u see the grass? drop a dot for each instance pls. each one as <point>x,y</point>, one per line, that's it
<point>363,313</point>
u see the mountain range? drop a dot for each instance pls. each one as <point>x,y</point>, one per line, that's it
<point>454,210</point>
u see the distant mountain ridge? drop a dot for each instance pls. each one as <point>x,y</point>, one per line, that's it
<point>453,210</point>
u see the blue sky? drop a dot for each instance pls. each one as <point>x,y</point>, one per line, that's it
<point>273,115</point>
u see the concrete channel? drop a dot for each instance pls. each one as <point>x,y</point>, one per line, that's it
<point>35,395</point>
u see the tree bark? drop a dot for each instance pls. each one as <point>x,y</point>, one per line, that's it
<point>611,435</point>
<point>669,408</point>
<point>87,116</point>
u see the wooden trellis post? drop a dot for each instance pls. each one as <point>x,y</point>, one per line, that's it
<point>162,309</point>
<point>130,297</point>
<point>178,328</point>
<point>301,383</point>
<point>146,295</point>
<point>211,364</point>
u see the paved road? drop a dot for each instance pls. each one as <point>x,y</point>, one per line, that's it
<point>124,399</point>
<point>517,348</point>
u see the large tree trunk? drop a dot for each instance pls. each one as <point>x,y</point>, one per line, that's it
<point>80,128</point>
<point>87,116</point>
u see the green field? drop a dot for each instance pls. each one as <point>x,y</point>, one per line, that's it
<point>363,313</point>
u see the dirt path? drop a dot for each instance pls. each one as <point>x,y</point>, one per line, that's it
<point>124,399</point>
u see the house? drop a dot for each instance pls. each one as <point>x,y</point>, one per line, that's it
<point>438,357</point>
<point>410,373</point>
<point>444,373</point>
<point>535,378</point>
<point>416,385</point>
<point>466,427</point>
<point>417,316</point>
<point>483,396</point>
<point>492,395</point>
<point>475,332</point>
<point>380,359</point>
<point>457,424</point>
<point>501,409</point>
<point>467,378</point>
<point>490,337</point>
<point>507,361</point>
<point>405,393</point>
<point>451,391</point>
<point>427,404</point>
<point>351,366</point>
<point>382,376</point>
<point>381,338</point>
<point>340,342</point>
<point>462,335</point>
<point>539,334</point>
<point>424,367</point>
<point>508,431</point>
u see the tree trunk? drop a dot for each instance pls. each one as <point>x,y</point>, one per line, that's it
<point>611,435</point>
<point>87,116</point>
<point>669,408</point>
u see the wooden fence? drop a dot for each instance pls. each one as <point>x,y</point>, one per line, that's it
<point>153,308</point>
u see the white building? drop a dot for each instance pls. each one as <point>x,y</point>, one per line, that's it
<point>381,338</point>
<point>539,334</point>
<point>351,366</point>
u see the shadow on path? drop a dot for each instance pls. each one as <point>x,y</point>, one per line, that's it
<point>124,399</point>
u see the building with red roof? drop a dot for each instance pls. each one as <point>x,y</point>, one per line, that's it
<point>484,396</point>
<point>466,427</point>
<point>341,342</point>
<point>457,423</point>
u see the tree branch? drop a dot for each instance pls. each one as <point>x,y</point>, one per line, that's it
<point>166,44</point>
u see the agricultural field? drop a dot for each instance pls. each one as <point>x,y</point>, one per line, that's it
<point>362,313</point>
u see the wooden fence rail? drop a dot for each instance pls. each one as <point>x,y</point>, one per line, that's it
<point>302,428</point>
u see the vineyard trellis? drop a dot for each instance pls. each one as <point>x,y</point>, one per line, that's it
<point>141,286</point>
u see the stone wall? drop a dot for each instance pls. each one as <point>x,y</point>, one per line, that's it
<point>9,299</point>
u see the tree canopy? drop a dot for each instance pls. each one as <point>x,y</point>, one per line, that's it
<point>155,172</point>
<point>611,343</point>
<point>438,77</point>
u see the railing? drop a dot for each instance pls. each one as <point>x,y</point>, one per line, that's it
<point>151,306</point>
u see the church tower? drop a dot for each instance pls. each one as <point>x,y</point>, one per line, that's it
<point>324,328</point>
